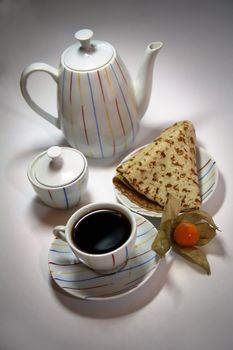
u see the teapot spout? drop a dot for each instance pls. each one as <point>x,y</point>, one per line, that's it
<point>143,82</point>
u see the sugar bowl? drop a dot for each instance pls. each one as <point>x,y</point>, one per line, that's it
<point>59,176</point>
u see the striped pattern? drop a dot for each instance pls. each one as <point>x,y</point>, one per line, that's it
<point>78,280</point>
<point>62,194</point>
<point>207,174</point>
<point>64,197</point>
<point>98,110</point>
<point>61,199</point>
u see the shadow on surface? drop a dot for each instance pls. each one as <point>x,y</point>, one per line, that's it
<point>51,216</point>
<point>121,305</point>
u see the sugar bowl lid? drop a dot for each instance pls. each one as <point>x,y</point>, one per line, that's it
<point>59,166</point>
<point>87,54</point>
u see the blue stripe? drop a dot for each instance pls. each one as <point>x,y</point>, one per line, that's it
<point>104,276</point>
<point>135,266</point>
<point>126,253</point>
<point>66,198</point>
<point>60,251</point>
<point>208,189</point>
<point>81,280</point>
<point>124,100</point>
<point>96,121</point>
<point>207,194</point>
<point>202,177</point>
<point>144,233</point>
<point>127,287</point>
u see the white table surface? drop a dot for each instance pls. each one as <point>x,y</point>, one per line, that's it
<point>179,307</point>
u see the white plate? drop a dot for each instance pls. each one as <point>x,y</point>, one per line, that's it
<point>82,282</point>
<point>207,174</point>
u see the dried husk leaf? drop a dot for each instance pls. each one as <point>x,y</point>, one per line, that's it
<point>203,221</point>
<point>193,255</point>
<point>206,233</point>
<point>161,243</point>
<point>196,216</point>
<point>171,209</point>
<point>170,219</point>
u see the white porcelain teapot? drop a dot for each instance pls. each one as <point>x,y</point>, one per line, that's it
<point>99,106</point>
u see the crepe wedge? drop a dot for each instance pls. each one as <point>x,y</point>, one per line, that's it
<point>166,165</point>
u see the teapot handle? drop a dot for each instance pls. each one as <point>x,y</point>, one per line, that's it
<point>32,68</point>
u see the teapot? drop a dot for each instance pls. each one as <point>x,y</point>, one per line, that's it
<point>99,106</point>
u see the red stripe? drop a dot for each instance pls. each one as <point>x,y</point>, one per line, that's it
<point>53,263</point>
<point>140,277</point>
<point>141,223</point>
<point>84,124</point>
<point>119,114</point>
<point>133,257</point>
<point>101,86</point>
<point>204,166</point>
<point>113,260</point>
<point>121,72</point>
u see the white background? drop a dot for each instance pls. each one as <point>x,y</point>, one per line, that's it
<point>179,307</point>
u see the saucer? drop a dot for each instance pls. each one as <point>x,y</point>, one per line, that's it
<point>207,175</point>
<point>78,280</point>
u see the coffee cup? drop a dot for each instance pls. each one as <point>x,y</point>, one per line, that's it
<point>101,235</point>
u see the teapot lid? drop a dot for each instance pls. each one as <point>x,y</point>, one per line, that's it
<point>87,54</point>
<point>59,166</point>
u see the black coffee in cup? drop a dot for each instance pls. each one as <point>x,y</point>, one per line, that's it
<point>101,231</point>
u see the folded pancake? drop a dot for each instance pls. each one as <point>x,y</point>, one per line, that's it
<point>167,165</point>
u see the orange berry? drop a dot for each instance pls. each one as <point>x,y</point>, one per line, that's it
<point>186,234</point>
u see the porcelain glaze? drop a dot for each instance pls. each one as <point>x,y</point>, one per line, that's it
<point>65,195</point>
<point>99,109</point>
<point>106,262</point>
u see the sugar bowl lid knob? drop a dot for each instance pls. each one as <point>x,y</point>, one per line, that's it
<point>54,153</point>
<point>59,166</point>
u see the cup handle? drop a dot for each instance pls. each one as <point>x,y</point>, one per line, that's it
<point>59,232</point>
<point>32,68</point>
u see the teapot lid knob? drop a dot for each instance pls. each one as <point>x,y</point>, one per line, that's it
<point>84,36</point>
<point>87,54</point>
